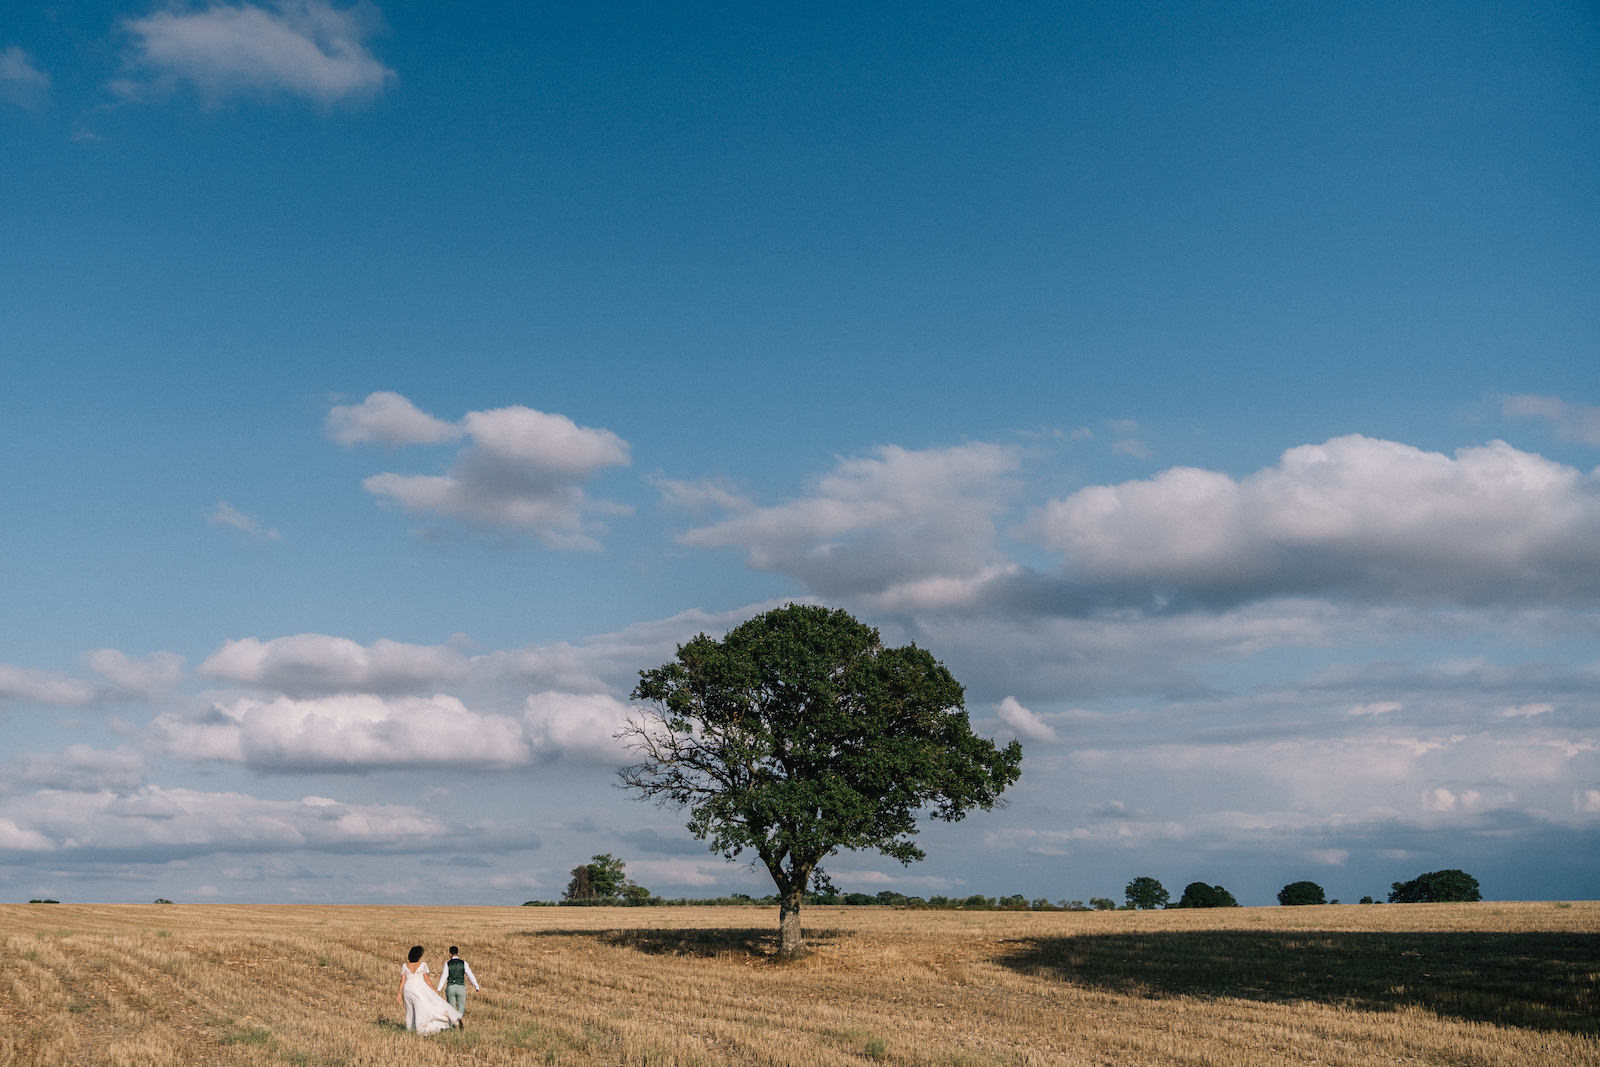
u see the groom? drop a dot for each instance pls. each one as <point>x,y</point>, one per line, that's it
<point>454,982</point>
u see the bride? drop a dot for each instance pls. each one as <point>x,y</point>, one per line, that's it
<point>426,1011</point>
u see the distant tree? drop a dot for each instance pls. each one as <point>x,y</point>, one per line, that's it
<point>1436,887</point>
<point>1102,903</point>
<point>1296,893</point>
<point>603,881</point>
<point>1200,895</point>
<point>1367,900</point>
<point>798,735</point>
<point>1145,892</point>
<point>162,900</point>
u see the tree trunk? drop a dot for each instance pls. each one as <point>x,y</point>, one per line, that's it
<point>789,943</point>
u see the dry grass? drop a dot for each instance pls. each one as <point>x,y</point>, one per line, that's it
<point>1492,984</point>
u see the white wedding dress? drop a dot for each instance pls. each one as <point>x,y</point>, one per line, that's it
<point>426,1011</point>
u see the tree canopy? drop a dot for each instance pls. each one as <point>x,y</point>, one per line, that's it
<point>1200,895</point>
<point>1436,887</point>
<point>800,734</point>
<point>1145,892</point>
<point>602,881</point>
<point>1298,893</point>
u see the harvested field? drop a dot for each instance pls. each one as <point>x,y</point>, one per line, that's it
<point>1490,983</point>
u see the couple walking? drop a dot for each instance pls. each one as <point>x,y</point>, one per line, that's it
<point>426,1011</point>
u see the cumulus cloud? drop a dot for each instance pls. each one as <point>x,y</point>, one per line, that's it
<point>1353,516</point>
<point>578,725</point>
<point>346,731</point>
<point>317,664</point>
<point>80,767</point>
<point>388,419</point>
<point>1027,725</point>
<point>894,526</point>
<point>152,823</point>
<point>44,687</point>
<point>153,674</point>
<point>1572,422</point>
<point>22,83</point>
<point>304,48</point>
<point>522,470</point>
<point>1452,776</point>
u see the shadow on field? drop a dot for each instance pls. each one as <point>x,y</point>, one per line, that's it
<point>704,943</point>
<point>1541,981</point>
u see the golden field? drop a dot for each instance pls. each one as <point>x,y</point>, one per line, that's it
<point>1511,984</point>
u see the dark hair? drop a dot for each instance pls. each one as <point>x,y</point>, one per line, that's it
<point>453,950</point>
<point>415,954</point>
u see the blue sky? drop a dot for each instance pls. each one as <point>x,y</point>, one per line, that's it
<point>1212,387</point>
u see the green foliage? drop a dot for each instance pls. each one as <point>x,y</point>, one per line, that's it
<point>603,881</point>
<point>1299,893</point>
<point>1436,887</point>
<point>1102,904</point>
<point>1200,895</point>
<point>1145,892</point>
<point>800,734</point>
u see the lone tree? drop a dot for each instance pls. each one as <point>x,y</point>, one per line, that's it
<point>602,881</point>
<point>1200,895</point>
<point>799,734</point>
<point>1302,893</point>
<point>1435,887</point>
<point>1145,892</point>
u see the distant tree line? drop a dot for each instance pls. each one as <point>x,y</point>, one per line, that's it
<point>603,881</point>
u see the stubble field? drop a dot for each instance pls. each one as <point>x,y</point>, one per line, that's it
<point>1491,983</point>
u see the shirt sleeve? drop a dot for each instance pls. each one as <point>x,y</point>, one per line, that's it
<point>472,977</point>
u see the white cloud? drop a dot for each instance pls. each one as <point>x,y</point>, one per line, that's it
<point>1381,707</point>
<point>699,497</point>
<point>1353,515</point>
<point>388,419</point>
<point>523,470</point>
<point>577,725</point>
<point>1572,422</point>
<point>347,731</point>
<point>896,523</point>
<point>1527,711</point>
<point>154,822</point>
<point>153,674</point>
<point>225,514</point>
<point>310,664</point>
<point>22,83</point>
<point>44,687</point>
<point>1024,723</point>
<point>305,48</point>
<point>80,767</point>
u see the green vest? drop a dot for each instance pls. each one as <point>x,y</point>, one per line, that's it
<point>455,971</point>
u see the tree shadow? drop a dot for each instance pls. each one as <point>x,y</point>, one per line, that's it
<point>1540,981</point>
<point>753,942</point>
